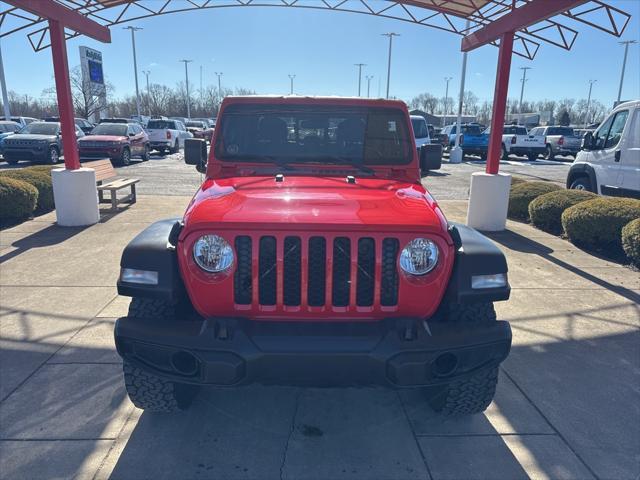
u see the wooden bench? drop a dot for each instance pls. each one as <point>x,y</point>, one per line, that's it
<point>105,171</point>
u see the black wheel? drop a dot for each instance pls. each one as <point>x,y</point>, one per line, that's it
<point>472,394</point>
<point>154,394</point>
<point>532,157</point>
<point>125,158</point>
<point>146,153</point>
<point>12,161</point>
<point>505,154</point>
<point>548,153</point>
<point>483,156</point>
<point>175,148</point>
<point>146,390</point>
<point>53,156</point>
<point>582,183</point>
<point>468,396</point>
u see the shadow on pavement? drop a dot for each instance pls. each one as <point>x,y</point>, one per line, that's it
<point>47,237</point>
<point>520,243</point>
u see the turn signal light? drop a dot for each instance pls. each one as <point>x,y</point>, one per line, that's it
<point>168,134</point>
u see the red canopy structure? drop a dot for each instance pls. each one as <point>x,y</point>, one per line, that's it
<point>515,26</point>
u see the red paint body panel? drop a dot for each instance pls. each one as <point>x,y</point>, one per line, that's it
<point>235,201</point>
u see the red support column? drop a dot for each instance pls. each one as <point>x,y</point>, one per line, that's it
<point>63,92</point>
<point>499,102</point>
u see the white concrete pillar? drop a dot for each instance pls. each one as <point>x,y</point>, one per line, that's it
<point>76,197</point>
<point>488,201</point>
<point>456,154</point>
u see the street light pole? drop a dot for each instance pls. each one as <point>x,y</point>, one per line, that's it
<point>626,44</point>
<point>360,65</point>
<point>586,118</point>
<point>446,99</point>
<point>291,77</point>
<point>456,154</point>
<point>135,64</point>
<point>523,80</point>
<point>3,84</point>
<point>369,77</point>
<point>390,35</point>
<point>219,75</point>
<point>186,79</point>
<point>147,73</point>
<point>201,91</point>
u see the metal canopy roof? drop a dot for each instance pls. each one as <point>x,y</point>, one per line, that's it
<point>448,15</point>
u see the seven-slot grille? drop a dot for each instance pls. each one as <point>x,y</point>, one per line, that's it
<point>332,265</point>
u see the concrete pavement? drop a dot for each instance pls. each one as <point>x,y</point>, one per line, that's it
<point>568,402</point>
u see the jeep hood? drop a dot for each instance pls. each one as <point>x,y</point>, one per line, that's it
<point>31,136</point>
<point>314,203</point>
<point>102,138</point>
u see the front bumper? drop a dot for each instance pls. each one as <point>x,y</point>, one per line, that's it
<point>230,352</point>
<point>100,152</point>
<point>28,153</point>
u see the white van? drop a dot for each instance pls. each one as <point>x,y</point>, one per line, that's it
<point>420,130</point>
<point>609,162</point>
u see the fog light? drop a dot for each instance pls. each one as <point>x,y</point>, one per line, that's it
<point>496,280</point>
<point>144,277</point>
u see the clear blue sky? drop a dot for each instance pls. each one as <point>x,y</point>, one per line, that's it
<point>257,47</point>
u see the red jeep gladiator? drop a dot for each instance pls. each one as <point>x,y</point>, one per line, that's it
<point>312,255</point>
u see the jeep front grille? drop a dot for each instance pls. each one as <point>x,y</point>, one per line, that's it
<point>340,271</point>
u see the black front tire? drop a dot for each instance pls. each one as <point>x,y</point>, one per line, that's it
<point>125,158</point>
<point>468,396</point>
<point>12,161</point>
<point>548,153</point>
<point>154,394</point>
<point>505,154</point>
<point>582,183</point>
<point>146,154</point>
<point>472,394</point>
<point>175,148</point>
<point>53,156</point>
<point>532,157</point>
<point>146,390</point>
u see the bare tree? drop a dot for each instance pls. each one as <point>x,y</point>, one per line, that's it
<point>470,103</point>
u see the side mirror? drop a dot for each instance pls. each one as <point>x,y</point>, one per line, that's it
<point>587,141</point>
<point>430,157</point>
<point>195,153</point>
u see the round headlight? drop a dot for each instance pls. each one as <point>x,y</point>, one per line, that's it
<point>420,256</point>
<point>212,253</point>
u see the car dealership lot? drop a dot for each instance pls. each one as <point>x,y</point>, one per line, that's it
<point>566,406</point>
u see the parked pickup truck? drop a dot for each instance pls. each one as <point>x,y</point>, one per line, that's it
<point>472,139</point>
<point>609,162</point>
<point>517,141</point>
<point>313,258</point>
<point>558,141</point>
<point>167,135</point>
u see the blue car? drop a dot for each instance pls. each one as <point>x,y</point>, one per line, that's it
<point>473,140</point>
<point>7,128</point>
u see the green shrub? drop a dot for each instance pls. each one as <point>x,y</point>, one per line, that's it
<point>523,193</point>
<point>38,179</point>
<point>631,241</point>
<point>17,200</point>
<point>597,224</point>
<point>42,168</point>
<point>545,211</point>
<point>517,180</point>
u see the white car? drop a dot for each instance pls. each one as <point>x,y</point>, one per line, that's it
<point>609,162</point>
<point>167,135</point>
<point>517,141</point>
<point>420,130</point>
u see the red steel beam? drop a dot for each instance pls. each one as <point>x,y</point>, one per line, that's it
<point>63,92</point>
<point>50,10</point>
<point>499,102</point>
<point>533,12</point>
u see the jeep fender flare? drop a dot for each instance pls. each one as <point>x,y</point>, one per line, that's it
<point>154,250</point>
<point>475,255</point>
<point>582,170</point>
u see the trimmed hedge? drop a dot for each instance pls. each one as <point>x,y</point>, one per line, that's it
<point>597,224</point>
<point>40,180</point>
<point>631,241</point>
<point>523,193</point>
<point>42,168</point>
<point>546,210</point>
<point>17,200</point>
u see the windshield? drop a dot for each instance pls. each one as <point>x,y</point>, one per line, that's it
<point>419,127</point>
<point>314,134</point>
<point>42,128</point>
<point>160,125</point>
<point>113,129</point>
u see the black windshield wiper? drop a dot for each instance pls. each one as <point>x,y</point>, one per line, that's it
<point>335,160</point>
